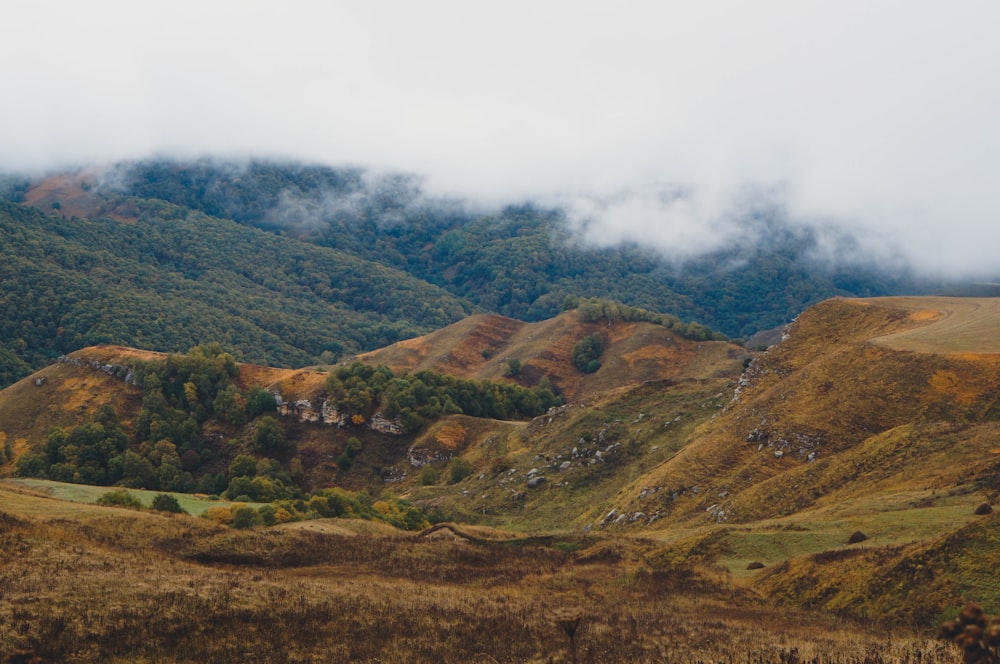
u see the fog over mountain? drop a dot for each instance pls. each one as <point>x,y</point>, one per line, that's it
<point>871,124</point>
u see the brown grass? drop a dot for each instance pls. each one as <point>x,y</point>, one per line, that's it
<point>635,353</point>
<point>115,586</point>
<point>68,191</point>
<point>945,324</point>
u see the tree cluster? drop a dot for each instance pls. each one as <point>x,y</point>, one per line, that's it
<point>361,390</point>
<point>324,504</point>
<point>166,450</point>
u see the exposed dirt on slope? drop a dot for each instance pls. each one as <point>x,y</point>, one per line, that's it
<point>74,195</point>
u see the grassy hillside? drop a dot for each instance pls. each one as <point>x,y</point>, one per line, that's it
<point>633,352</point>
<point>675,454</point>
<point>82,584</point>
<point>834,432</point>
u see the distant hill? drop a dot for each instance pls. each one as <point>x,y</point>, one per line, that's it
<point>483,346</point>
<point>370,252</point>
<point>157,276</point>
<point>521,261</point>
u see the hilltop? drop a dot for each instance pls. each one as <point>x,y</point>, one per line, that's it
<point>481,347</point>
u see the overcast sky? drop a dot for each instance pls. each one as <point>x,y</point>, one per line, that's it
<point>874,116</point>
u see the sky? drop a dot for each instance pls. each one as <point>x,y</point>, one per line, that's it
<point>649,121</point>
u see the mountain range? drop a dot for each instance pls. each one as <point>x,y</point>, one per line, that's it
<point>446,418</point>
<point>255,255</point>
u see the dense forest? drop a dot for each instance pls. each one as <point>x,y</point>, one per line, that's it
<point>290,264</point>
<point>177,277</point>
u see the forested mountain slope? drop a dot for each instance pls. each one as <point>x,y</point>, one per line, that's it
<point>521,261</point>
<point>174,277</point>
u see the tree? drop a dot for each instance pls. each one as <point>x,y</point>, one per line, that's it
<point>268,434</point>
<point>259,401</point>
<point>243,465</point>
<point>513,366</point>
<point>587,351</point>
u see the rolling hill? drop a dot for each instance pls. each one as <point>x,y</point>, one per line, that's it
<point>845,469</point>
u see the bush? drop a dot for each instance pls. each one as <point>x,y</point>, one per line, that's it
<point>120,499</point>
<point>245,516</point>
<point>430,475</point>
<point>269,435</point>
<point>164,502</point>
<point>458,470</point>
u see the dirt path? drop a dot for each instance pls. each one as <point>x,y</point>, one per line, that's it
<point>945,324</point>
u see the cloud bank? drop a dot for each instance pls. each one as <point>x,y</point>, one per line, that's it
<point>647,120</point>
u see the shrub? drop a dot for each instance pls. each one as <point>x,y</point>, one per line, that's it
<point>975,633</point>
<point>586,351</point>
<point>220,515</point>
<point>430,475</point>
<point>120,499</point>
<point>458,470</point>
<point>268,515</point>
<point>245,516</point>
<point>164,502</point>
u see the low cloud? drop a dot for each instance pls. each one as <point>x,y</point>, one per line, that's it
<point>871,124</point>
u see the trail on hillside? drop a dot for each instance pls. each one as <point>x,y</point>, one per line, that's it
<point>945,324</point>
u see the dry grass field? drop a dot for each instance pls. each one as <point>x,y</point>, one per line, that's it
<point>945,324</point>
<point>102,584</point>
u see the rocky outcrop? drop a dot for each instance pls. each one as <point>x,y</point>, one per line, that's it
<point>382,424</point>
<point>423,456</point>
<point>119,371</point>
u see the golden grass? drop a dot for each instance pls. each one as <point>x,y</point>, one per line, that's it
<point>635,353</point>
<point>113,586</point>
<point>947,325</point>
<point>451,436</point>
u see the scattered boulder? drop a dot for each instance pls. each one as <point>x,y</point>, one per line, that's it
<point>857,536</point>
<point>536,481</point>
<point>984,509</point>
<point>755,565</point>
